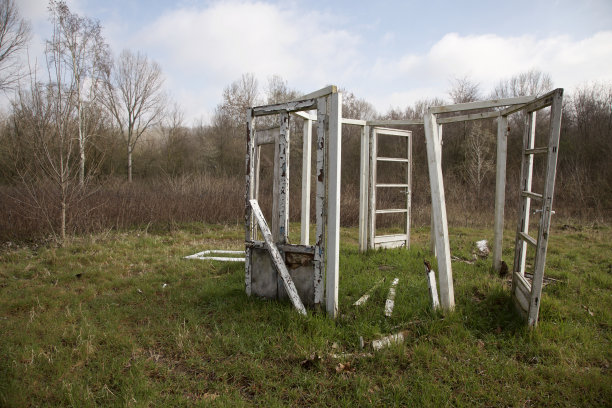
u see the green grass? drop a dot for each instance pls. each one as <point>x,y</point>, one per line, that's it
<point>117,337</point>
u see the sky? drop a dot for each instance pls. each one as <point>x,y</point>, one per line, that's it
<point>390,53</point>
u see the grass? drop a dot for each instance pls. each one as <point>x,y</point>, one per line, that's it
<point>143,327</point>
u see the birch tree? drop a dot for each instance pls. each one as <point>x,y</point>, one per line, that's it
<point>134,97</point>
<point>85,55</point>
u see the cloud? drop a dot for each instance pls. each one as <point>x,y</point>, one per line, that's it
<point>213,46</point>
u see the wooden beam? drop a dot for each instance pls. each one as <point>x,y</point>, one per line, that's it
<point>493,103</point>
<point>305,115</point>
<point>534,105</point>
<point>372,190</point>
<point>390,302</point>
<point>434,162</point>
<point>357,122</point>
<point>393,122</point>
<point>333,204</point>
<point>306,155</point>
<point>248,195</point>
<point>471,116</point>
<point>283,197</point>
<point>277,259</point>
<point>500,190</point>
<point>331,89</point>
<point>301,105</point>
<point>364,171</point>
<point>320,202</point>
<point>266,136</point>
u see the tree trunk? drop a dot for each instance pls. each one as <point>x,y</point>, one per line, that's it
<point>81,145</point>
<point>129,169</point>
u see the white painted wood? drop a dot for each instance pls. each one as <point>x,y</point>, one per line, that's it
<point>529,239</point>
<point>213,251</point>
<point>363,188</point>
<point>536,104</point>
<point>393,159</point>
<point>493,103</point>
<point>390,302</point>
<point>388,341</point>
<point>392,122</point>
<point>532,195</point>
<point>283,197</point>
<point>320,202</point>
<point>432,242</point>
<point>520,248</point>
<point>372,189</point>
<point>277,259</point>
<point>393,132</point>
<point>408,190</point>
<point>331,89</point>
<point>276,191</point>
<point>368,293</point>
<point>433,289</point>
<point>549,188</point>
<point>522,299</point>
<point>266,136</point>
<point>537,150</point>
<point>434,162</point>
<point>219,258</point>
<point>306,157</point>
<point>296,249</point>
<point>333,204</point>
<point>301,105</point>
<point>305,115</point>
<point>500,190</point>
<point>380,239</point>
<point>393,185</point>
<point>471,116</point>
<point>357,122</point>
<point>392,211</point>
<point>248,195</point>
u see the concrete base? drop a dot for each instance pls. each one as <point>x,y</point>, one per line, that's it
<point>266,282</point>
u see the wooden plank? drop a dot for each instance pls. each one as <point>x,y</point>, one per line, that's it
<point>357,122</point>
<point>536,104</point>
<point>379,239</point>
<point>537,150</point>
<point>404,185</point>
<point>471,116</point>
<point>392,244</point>
<point>305,115</point>
<point>392,122</point>
<point>500,190</point>
<point>521,299</point>
<point>306,170</point>
<point>248,195</point>
<point>283,197</point>
<point>393,132</point>
<point>372,189</point>
<point>408,189</point>
<point>276,191</point>
<point>331,89</point>
<point>529,239</point>
<point>523,284</point>
<point>433,289</point>
<point>388,341</point>
<point>333,204</point>
<point>393,159</point>
<point>390,302</point>
<point>393,211</point>
<point>266,136</point>
<point>549,188</point>
<point>531,194</point>
<point>285,107</point>
<point>434,162</point>
<point>520,248</point>
<point>368,293</point>
<point>363,188</point>
<point>277,259</point>
<point>492,103</point>
<point>320,202</point>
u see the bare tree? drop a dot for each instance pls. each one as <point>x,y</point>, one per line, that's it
<point>85,54</point>
<point>14,36</point>
<point>237,97</point>
<point>134,97</point>
<point>532,82</point>
<point>464,90</point>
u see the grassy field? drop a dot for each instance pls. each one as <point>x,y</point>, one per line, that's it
<point>120,319</point>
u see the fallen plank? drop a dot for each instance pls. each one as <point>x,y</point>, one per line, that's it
<point>390,303</point>
<point>367,295</point>
<point>389,340</point>
<point>277,259</point>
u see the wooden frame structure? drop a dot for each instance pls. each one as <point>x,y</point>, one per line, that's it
<point>319,263</point>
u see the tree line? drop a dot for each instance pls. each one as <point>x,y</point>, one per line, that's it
<point>85,119</point>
